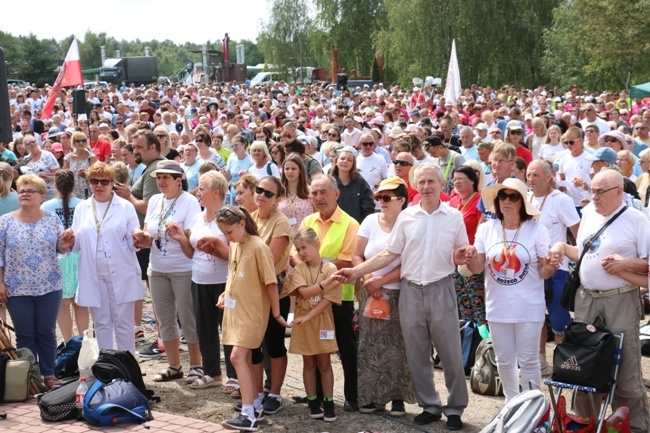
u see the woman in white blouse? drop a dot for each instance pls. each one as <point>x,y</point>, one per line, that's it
<point>109,274</point>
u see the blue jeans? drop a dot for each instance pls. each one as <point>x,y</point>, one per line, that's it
<point>34,318</point>
<point>554,287</point>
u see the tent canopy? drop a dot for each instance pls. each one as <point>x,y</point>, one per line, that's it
<point>640,91</point>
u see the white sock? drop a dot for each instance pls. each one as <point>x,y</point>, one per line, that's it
<point>278,397</point>
<point>248,410</point>
<point>261,396</point>
<point>257,404</point>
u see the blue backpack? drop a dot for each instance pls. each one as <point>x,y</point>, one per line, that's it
<point>116,402</point>
<point>67,355</point>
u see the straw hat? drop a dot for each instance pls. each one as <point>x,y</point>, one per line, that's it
<point>489,195</point>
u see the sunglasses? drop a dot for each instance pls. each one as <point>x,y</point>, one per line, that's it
<point>516,132</point>
<point>199,140</point>
<point>402,163</point>
<point>569,142</point>
<point>367,143</point>
<point>29,143</point>
<point>223,213</point>
<point>266,192</point>
<point>640,128</point>
<point>329,134</point>
<point>610,140</point>
<point>386,198</point>
<point>81,140</point>
<point>104,182</point>
<point>514,197</point>
<point>495,133</point>
<point>161,136</point>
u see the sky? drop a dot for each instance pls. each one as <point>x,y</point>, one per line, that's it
<point>196,21</point>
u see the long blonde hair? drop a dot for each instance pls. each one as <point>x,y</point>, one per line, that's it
<point>7,175</point>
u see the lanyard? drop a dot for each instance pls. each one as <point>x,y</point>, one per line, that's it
<point>543,201</point>
<point>98,224</point>
<point>453,156</point>
<point>506,248</point>
<point>164,215</point>
<point>236,262</point>
<point>313,280</point>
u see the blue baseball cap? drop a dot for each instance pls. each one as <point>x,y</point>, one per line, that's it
<point>606,154</point>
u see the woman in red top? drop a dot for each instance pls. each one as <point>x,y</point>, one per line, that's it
<point>470,290</point>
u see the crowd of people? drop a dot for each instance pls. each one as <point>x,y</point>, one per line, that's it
<point>244,211</point>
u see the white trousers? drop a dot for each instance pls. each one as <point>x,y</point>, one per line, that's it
<point>113,321</point>
<point>516,346</point>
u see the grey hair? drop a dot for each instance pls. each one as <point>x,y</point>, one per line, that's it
<point>331,179</point>
<point>428,166</point>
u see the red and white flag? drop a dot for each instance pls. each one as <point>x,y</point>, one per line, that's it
<point>69,75</point>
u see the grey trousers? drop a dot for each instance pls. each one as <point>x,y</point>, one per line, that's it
<point>429,318</point>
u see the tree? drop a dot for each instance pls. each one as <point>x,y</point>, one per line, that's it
<point>351,25</point>
<point>285,39</point>
<point>39,60</point>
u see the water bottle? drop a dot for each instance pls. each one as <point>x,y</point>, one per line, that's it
<point>82,389</point>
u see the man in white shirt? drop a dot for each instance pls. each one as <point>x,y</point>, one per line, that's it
<point>427,234</point>
<point>575,168</point>
<point>591,118</point>
<point>558,215</point>
<point>468,149</point>
<point>610,274</point>
<point>373,167</point>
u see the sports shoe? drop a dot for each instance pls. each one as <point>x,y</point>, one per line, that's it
<point>397,408</point>
<point>155,350</point>
<point>372,408</point>
<point>454,422</point>
<point>350,406</point>
<point>330,413</point>
<point>139,336</point>
<point>272,405</point>
<point>315,412</point>
<point>241,423</point>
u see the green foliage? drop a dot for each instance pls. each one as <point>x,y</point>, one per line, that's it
<point>375,71</point>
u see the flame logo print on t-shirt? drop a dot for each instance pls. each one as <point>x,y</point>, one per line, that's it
<point>508,266</point>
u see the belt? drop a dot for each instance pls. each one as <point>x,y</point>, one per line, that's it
<point>607,293</point>
<point>420,285</point>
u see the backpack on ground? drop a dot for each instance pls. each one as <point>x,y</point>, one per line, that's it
<point>120,364</point>
<point>523,414</point>
<point>484,378</point>
<point>59,404</point>
<point>14,379</point>
<point>114,403</point>
<point>67,356</point>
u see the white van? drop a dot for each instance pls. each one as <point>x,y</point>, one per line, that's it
<point>264,78</point>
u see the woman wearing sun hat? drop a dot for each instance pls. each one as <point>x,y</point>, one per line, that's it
<point>511,249</point>
<point>170,271</point>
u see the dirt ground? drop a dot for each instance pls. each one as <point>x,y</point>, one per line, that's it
<point>213,405</point>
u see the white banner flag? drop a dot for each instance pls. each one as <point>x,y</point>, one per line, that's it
<point>452,85</point>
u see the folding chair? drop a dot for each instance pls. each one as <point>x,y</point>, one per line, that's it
<point>560,386</point>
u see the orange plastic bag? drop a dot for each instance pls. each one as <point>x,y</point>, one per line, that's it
<point>377,308</point>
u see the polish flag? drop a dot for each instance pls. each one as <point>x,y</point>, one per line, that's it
<point>69,75</point>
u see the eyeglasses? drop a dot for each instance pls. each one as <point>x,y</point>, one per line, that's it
<point>275,152</point>
<point>29,143</point>
<point>514,197</point>
<point>386,198</point>
<point>501,161</point>
<point>402,163</point>
<point>611,140</point>
<point>104,182</point>
<point>268,194</point>
<point>28,192</point>
<point>640,128</point>
<point>459,179</point>
<point>367,143</point>
<point>599,192</point>
<point>569,142</point>
<point>81,140</point>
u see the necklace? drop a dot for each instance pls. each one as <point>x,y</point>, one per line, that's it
<point>506,248</point>
<point>98,224</point>
<point>314,279</point>
<point>544,200</point>
<point>236,261</point>
<point>164,215</point>
<point>260,227</point>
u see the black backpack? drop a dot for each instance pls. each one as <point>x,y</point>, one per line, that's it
<point>59,403</point>
<point>120,364</point>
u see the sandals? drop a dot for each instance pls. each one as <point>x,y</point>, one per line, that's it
<point>169,373</point>
<point>236,394</point>
<point>195,374</point>
<point>231,386</point>
<point>205,382</point>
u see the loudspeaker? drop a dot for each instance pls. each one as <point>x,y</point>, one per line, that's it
<point>79,101</point>
<point>341,82</point>
<point>6,133</point>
